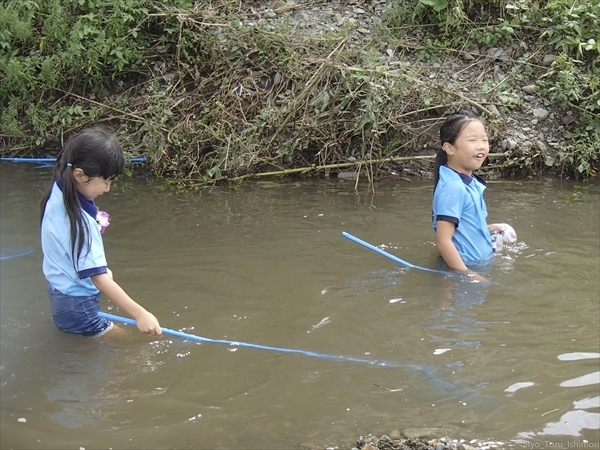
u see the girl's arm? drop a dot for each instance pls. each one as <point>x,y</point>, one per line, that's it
<point>443,241</point>
<point>145,321</point>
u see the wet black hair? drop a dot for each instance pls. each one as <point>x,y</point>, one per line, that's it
<point>449,132</point>
<point>97,152</point>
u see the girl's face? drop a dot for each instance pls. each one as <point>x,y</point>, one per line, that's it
<point>470,148</point>
<point>90,187</point>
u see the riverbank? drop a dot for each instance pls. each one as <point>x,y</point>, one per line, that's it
<point>498,82</point>
<point>219,92</point>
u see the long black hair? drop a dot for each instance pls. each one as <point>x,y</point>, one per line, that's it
<point>97,152</point>
<point>449,132</point>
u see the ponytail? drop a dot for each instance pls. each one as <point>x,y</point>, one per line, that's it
<point>441,159</point>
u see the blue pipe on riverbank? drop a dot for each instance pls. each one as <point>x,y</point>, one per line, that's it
<point>51,160</point>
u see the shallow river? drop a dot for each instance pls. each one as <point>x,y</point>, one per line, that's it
<point>515,361</point>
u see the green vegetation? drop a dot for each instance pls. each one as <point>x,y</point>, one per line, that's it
<point>569,27</point>
<point>208,93</point>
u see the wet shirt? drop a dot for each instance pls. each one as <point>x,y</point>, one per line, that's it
<point>58,265</point>
<point>458,198</point>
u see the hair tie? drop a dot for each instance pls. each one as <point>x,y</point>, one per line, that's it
<point>69,165</point>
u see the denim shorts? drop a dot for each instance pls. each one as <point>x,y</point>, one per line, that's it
<point>77,315</point>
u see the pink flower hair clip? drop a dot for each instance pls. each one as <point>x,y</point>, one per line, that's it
<point>103,219</point>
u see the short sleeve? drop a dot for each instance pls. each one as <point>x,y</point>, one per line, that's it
<point>449,202</point>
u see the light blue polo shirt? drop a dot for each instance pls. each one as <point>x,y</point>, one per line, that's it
<point>58,265</point>
<point>458,198</point>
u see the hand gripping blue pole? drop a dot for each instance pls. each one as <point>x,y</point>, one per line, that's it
<point>392,257</point>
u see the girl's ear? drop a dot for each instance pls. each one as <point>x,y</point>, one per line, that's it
<point>79,175</point>
<point>448,148</point>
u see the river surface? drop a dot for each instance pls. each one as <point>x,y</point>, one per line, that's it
<point>513,361</point>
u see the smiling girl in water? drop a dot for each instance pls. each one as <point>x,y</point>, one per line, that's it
<point>74,262</point>
<point>462,234</point>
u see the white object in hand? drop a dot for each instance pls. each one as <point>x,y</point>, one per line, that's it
<point>509,234</point>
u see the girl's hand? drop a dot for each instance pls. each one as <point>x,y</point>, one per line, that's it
<point>147,323</point>
<point>474,277</point>
<point>496,227</point>
<point>509,234</point>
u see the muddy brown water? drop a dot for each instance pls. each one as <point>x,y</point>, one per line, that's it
<point>516,361</point>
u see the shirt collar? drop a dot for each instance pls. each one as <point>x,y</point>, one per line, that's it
<point>87,205</point>
<point>466,178</point>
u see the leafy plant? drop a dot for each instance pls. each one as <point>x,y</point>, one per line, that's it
<point>562,83</point>
<point>583,151</point>
<point>567,83</point>
<point>572,26</point>
<point>437,5</point>
<point>429,51</point>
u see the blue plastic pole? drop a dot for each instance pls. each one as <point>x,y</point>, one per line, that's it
<point>390,256</point>
<point>14,252</point>
<point>51,160</point>
<point>427,372</point>
<point>262,347</point>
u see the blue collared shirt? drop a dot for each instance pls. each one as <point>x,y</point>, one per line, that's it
<point>458,198</point>
<point>58,265</point>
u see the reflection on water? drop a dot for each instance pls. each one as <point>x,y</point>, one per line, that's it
<point>574,356</point>
<point>513,360</point>
<point>584,380</point>
<point>576,421</point>
<point>520,385</point>
<point>572,423</point>
<point>74,389</point>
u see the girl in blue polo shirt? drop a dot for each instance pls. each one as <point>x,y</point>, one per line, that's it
<point>462,234</point>
<point>74,262</point>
